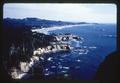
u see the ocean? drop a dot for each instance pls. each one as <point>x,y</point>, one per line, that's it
<point>82,62</point>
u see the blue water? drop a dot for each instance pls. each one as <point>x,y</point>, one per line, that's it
<point>73,65</point>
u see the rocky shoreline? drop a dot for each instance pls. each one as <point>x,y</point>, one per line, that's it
<point>60,43</point>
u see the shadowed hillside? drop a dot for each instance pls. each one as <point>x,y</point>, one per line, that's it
<point>36,23</point>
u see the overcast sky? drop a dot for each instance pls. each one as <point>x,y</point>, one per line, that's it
<point>100,13</point>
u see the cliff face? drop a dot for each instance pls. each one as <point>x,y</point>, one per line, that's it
<point>17,46</point>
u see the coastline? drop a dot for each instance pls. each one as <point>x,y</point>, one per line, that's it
<point>46,30</point>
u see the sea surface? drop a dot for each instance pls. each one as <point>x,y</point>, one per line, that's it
<point>98,41</point>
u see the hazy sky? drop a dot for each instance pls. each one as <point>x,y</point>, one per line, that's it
<point>100,13</point>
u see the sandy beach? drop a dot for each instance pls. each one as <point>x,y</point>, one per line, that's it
<point>46,30</point>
